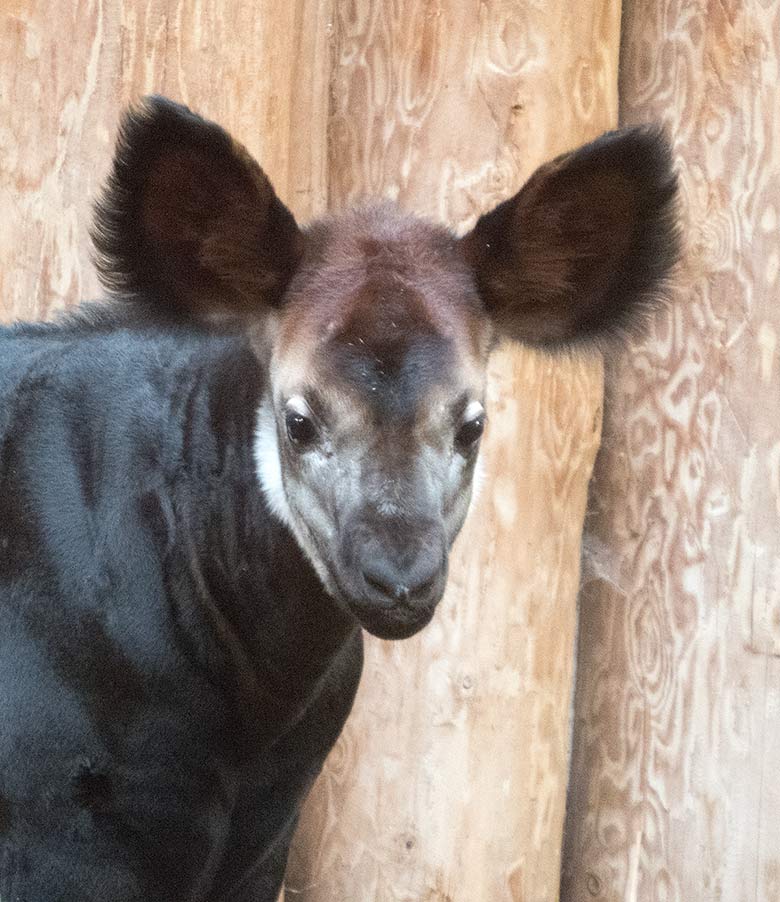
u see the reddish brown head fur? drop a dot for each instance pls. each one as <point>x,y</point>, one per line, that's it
<point>383,305</point>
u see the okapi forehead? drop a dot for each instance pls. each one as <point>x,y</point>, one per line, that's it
<point>388,350</point>
<point>383,304</point>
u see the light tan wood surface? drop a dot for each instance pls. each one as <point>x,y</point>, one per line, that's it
<point>674,787</point>
<point>67,72</point>
<point>449,783</point>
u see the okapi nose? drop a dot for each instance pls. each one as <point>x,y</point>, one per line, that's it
<point>398,586</point>
<point>406,585</point>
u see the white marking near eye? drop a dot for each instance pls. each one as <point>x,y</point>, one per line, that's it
<point>473,410</point>
<point>269,473</point>
<point>297,404</point>
<point>268,465</point>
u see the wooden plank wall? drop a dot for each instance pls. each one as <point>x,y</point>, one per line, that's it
<point>674,788</point>
<point>66,73</point>
<point>450,781</point>
<point>449,784</point>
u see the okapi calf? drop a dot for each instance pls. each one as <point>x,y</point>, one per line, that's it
<point>263,444</point>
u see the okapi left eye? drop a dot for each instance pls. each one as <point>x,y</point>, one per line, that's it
<point>470,433</point>
<point>300,429</point>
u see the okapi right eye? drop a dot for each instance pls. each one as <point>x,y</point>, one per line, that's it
<point>300,429</point>
<point>472,427</point>
<point>470,433</point>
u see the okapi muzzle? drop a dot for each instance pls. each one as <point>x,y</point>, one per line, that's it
<point>374,326</point>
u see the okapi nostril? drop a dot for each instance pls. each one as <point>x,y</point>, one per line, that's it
<point>378,585</point>
<point>423,588</point>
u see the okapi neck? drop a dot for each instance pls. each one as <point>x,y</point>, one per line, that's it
<point>269,629</point>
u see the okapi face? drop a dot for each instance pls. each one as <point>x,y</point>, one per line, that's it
<point>367,444</point>
<point>374,327</point>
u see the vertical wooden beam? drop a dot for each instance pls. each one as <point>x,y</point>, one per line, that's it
<point>260,69</point>
<point>675,768</point>
<point>450,781</point>
<point>57,69</point>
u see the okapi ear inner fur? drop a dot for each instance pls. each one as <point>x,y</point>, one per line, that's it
<point>189,220</point>
<point>584,246</point>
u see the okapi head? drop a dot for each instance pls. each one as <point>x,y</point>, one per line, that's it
<point>374,326</point>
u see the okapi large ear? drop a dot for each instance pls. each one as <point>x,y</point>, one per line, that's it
<point>584,245</point>
<point>188,219</point>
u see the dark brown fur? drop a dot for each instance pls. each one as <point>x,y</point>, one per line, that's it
<point>584,246</point>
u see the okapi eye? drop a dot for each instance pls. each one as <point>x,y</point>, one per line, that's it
<point>471,430</point>
<point>301,430</point>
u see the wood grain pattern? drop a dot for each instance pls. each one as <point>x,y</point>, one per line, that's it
<point>674,782</point>
<point>259,69</point>
<point>55,101</point>
<point>449,783</point>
